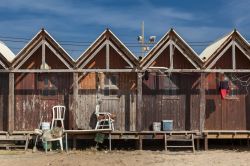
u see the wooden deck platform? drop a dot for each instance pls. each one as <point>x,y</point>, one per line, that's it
<point>225,134</point>
<point>74,135</point>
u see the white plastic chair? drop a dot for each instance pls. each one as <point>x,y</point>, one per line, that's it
<point>58,115</point>
<point>103,119</point>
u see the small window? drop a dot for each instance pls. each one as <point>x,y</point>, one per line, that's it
<point>111,85</point>
<point>228,88</point>
<point>167,84</point>
<point>47,84</point>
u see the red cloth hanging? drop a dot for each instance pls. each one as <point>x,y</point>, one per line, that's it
<point>224,89</point>
<point>223,93</point>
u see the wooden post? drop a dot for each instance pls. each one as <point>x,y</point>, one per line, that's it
<point>11,103</point>
<point>205,142</point>
<point>202,101</point>
<point>233,55</point>
<point>171,55</point>
<point>43,54</point>
<point>107,55</point>
<point>139,102</point>
<point>75,100</point>
<point>140,143</point>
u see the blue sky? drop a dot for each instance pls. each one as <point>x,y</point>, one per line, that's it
<point>84,21</point>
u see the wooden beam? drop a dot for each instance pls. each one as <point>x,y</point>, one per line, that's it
<point>202,101</point>
<point>124,70</point>
<point>107,54</point>
<point>171,53</point>
<point>205,143</point>
<point>93,55</point>
<point>71,70</point>
<point>11,103</point>
<point>58,55</point>
<point>198,70</point>
<point>247,54</point>
<point>3,65</point>
<point>91,48</point>
<point>154,50</point>
<point>140,143</point>
<point>121,54</point>
<point>75,101</point>
<point>27,57</point>
<point>227,136</point>
<point>219,56</point>
<point>233,55</point>
<point>156,55</point>
<point>186,56</point>
<point>139,102</point>
<point>43,54</point>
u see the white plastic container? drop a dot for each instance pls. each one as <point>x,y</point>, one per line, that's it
<point>156,126</point>
<point>45,125</point>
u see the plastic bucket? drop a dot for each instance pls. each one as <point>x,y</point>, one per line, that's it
<point>167,125</point>
<point>45,125</point>
<point>156,126</point>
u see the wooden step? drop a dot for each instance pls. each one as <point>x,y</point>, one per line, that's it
<point>179,138</point>
<point>184,146</point>
<point>12,145</point>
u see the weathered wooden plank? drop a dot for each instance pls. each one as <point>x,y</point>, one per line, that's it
<point>233,55</point>
<point>139,102</point>
<point>107,54</point>
<point>150,69</point>
<point>171,55</point>
<point>11,103</point>
<point>75,100</point>
<point>202,101</point>
<point>43,54</point>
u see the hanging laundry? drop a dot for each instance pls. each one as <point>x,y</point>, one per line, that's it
<point>224,88</point>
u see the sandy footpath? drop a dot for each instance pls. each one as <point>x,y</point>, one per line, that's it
<point>125,158</point>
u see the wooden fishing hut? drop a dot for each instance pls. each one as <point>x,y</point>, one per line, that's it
<point>6,56</point>
<point>40,77</point>
<point>229,58</point>
<point>170,85</point>
<point>108,73</point>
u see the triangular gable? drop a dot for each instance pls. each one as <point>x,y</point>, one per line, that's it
<point>42,52</point>
<point>174,50</point>
<point>107,52</point>
<point>230,52</point>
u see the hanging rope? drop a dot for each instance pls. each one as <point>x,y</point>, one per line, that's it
<point>243,83</point>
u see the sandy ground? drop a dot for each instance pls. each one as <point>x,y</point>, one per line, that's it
<point>125,158</point>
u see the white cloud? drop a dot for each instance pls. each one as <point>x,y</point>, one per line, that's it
<point>64,19</point>
<point>102,15</point>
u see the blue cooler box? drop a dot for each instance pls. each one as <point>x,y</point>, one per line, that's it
<point>167,125</point>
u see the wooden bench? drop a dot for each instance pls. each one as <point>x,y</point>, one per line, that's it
<point>9,140</point>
